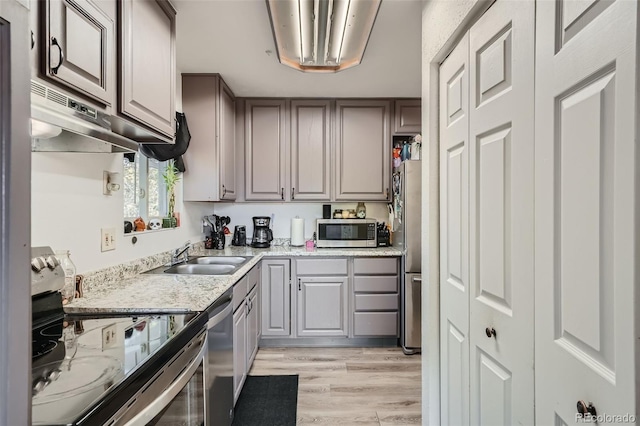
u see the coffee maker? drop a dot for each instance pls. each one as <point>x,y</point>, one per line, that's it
<point>262,235</point>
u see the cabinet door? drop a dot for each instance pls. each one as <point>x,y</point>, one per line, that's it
<point>252,326</point>
<point>408,116</point>
<point>276,298</point>
<point>363,150</point>
<point>265,138</point>
<point>310,150</point>
<point>227,141</point>
<point>239,350</point>
<point>199,103</point>
<point>147,63</point>
<point>322,306</point>
<point>80,48</point>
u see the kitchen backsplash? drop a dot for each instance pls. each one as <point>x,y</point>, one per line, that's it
<point>241,214</point>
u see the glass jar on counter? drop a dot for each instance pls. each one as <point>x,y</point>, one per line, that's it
<point>69,289</point>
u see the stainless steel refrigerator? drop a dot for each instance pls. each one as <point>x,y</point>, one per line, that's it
<point>406,204</point>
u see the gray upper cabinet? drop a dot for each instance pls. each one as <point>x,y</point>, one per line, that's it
<point>276,298</point>
<point>310,150</point>
<point>78,49</point>
<point>147,63</point>
<point>209,105</point>
<point>363,150</point>
<point>265,145</point>
<point>408,116</point>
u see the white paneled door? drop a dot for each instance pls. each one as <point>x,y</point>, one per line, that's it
<point>501,149</point>
<point>586,214</point>
<point>454,236</point>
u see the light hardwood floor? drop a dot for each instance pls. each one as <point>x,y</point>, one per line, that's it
<point>349,386</point>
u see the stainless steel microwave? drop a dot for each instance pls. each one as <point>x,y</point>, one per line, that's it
<point>346,233</point>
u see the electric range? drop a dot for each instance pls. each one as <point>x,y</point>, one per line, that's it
<point>86,368</point>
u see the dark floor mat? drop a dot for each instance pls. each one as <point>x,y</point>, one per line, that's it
<point>267,401</point>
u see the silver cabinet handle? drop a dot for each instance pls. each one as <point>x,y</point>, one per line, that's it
<point>54,70</point>
<point>417,279</point>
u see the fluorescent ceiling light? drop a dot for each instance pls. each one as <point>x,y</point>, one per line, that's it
<point>322,35</point>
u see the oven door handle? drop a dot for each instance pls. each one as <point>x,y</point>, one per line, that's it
<point>163,401</point>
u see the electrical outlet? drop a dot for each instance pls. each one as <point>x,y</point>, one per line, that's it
<point>108,240</point>
<point>109,339</point>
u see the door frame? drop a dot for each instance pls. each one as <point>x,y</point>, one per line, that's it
<point>433,56</point>
<point>15,218</point>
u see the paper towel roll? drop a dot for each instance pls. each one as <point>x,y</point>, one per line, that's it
<point>297,232</point>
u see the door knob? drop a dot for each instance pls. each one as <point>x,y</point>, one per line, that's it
<point>491,332</point>
<point>583,409</point>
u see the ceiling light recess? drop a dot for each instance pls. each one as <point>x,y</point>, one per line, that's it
<point>322,35</point>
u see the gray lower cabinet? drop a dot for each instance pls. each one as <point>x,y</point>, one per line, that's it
<point>239,350</point>
<point>376,299</point>
<point>322,306</point>
<point>246,328</point>
<point>78,49</point>
<point>147,32</point>
<point>276,298</point>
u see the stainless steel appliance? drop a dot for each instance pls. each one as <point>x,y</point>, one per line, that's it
<point>262,235</point>
<point>218,374</point>
<point>112,369</point>
<point>239,236</point>
<point>407,187</point>
<point>346,233</point>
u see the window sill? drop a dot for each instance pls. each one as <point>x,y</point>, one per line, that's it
<point>148,231</point>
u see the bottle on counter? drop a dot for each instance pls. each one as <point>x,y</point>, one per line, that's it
<point>69,289</point>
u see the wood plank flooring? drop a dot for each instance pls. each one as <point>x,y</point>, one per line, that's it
<point>349,386</point>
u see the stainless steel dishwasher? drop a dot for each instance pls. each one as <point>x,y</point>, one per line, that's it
<point>218,372</point>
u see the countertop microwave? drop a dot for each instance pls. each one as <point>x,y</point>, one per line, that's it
<point>346,233</point>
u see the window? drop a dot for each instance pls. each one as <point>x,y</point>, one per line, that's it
<point>145,193</point>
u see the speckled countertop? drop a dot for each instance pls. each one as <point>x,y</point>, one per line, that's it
<point>123,289</point>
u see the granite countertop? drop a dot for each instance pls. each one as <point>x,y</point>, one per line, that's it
<point>153,293</point>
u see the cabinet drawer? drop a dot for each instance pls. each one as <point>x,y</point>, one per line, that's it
<point>240,291</point>
<point>375,324</point>
<point>373,266</point>
<point>379,284</point>
<point>377,302</point>
<point>252,278</point>
<point>321,266</point>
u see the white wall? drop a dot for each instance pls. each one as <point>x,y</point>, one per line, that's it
<point>443,22</point>
<point>241,214</point>
<point>68,211</point>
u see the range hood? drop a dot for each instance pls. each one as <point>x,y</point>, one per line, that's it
<point>62,123</point>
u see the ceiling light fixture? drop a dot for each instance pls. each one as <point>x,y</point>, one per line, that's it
<point>322,35</point>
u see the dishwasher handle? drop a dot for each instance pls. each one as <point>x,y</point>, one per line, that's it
<point>167,396</point>
<point>217,318</point>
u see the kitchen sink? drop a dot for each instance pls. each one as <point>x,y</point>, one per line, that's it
<point>212,260</point>
<point>210,269</point>
<point>204,265</point>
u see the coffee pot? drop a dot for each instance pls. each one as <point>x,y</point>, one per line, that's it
<point>262,235</point>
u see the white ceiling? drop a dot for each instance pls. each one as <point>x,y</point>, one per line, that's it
<point>230,37</point>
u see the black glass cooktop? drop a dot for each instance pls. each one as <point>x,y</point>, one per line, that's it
<point>77,361</point>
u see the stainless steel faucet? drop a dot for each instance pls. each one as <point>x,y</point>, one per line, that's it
<point>181,254</point>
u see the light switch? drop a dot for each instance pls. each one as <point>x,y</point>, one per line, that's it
<point>108,239</point>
